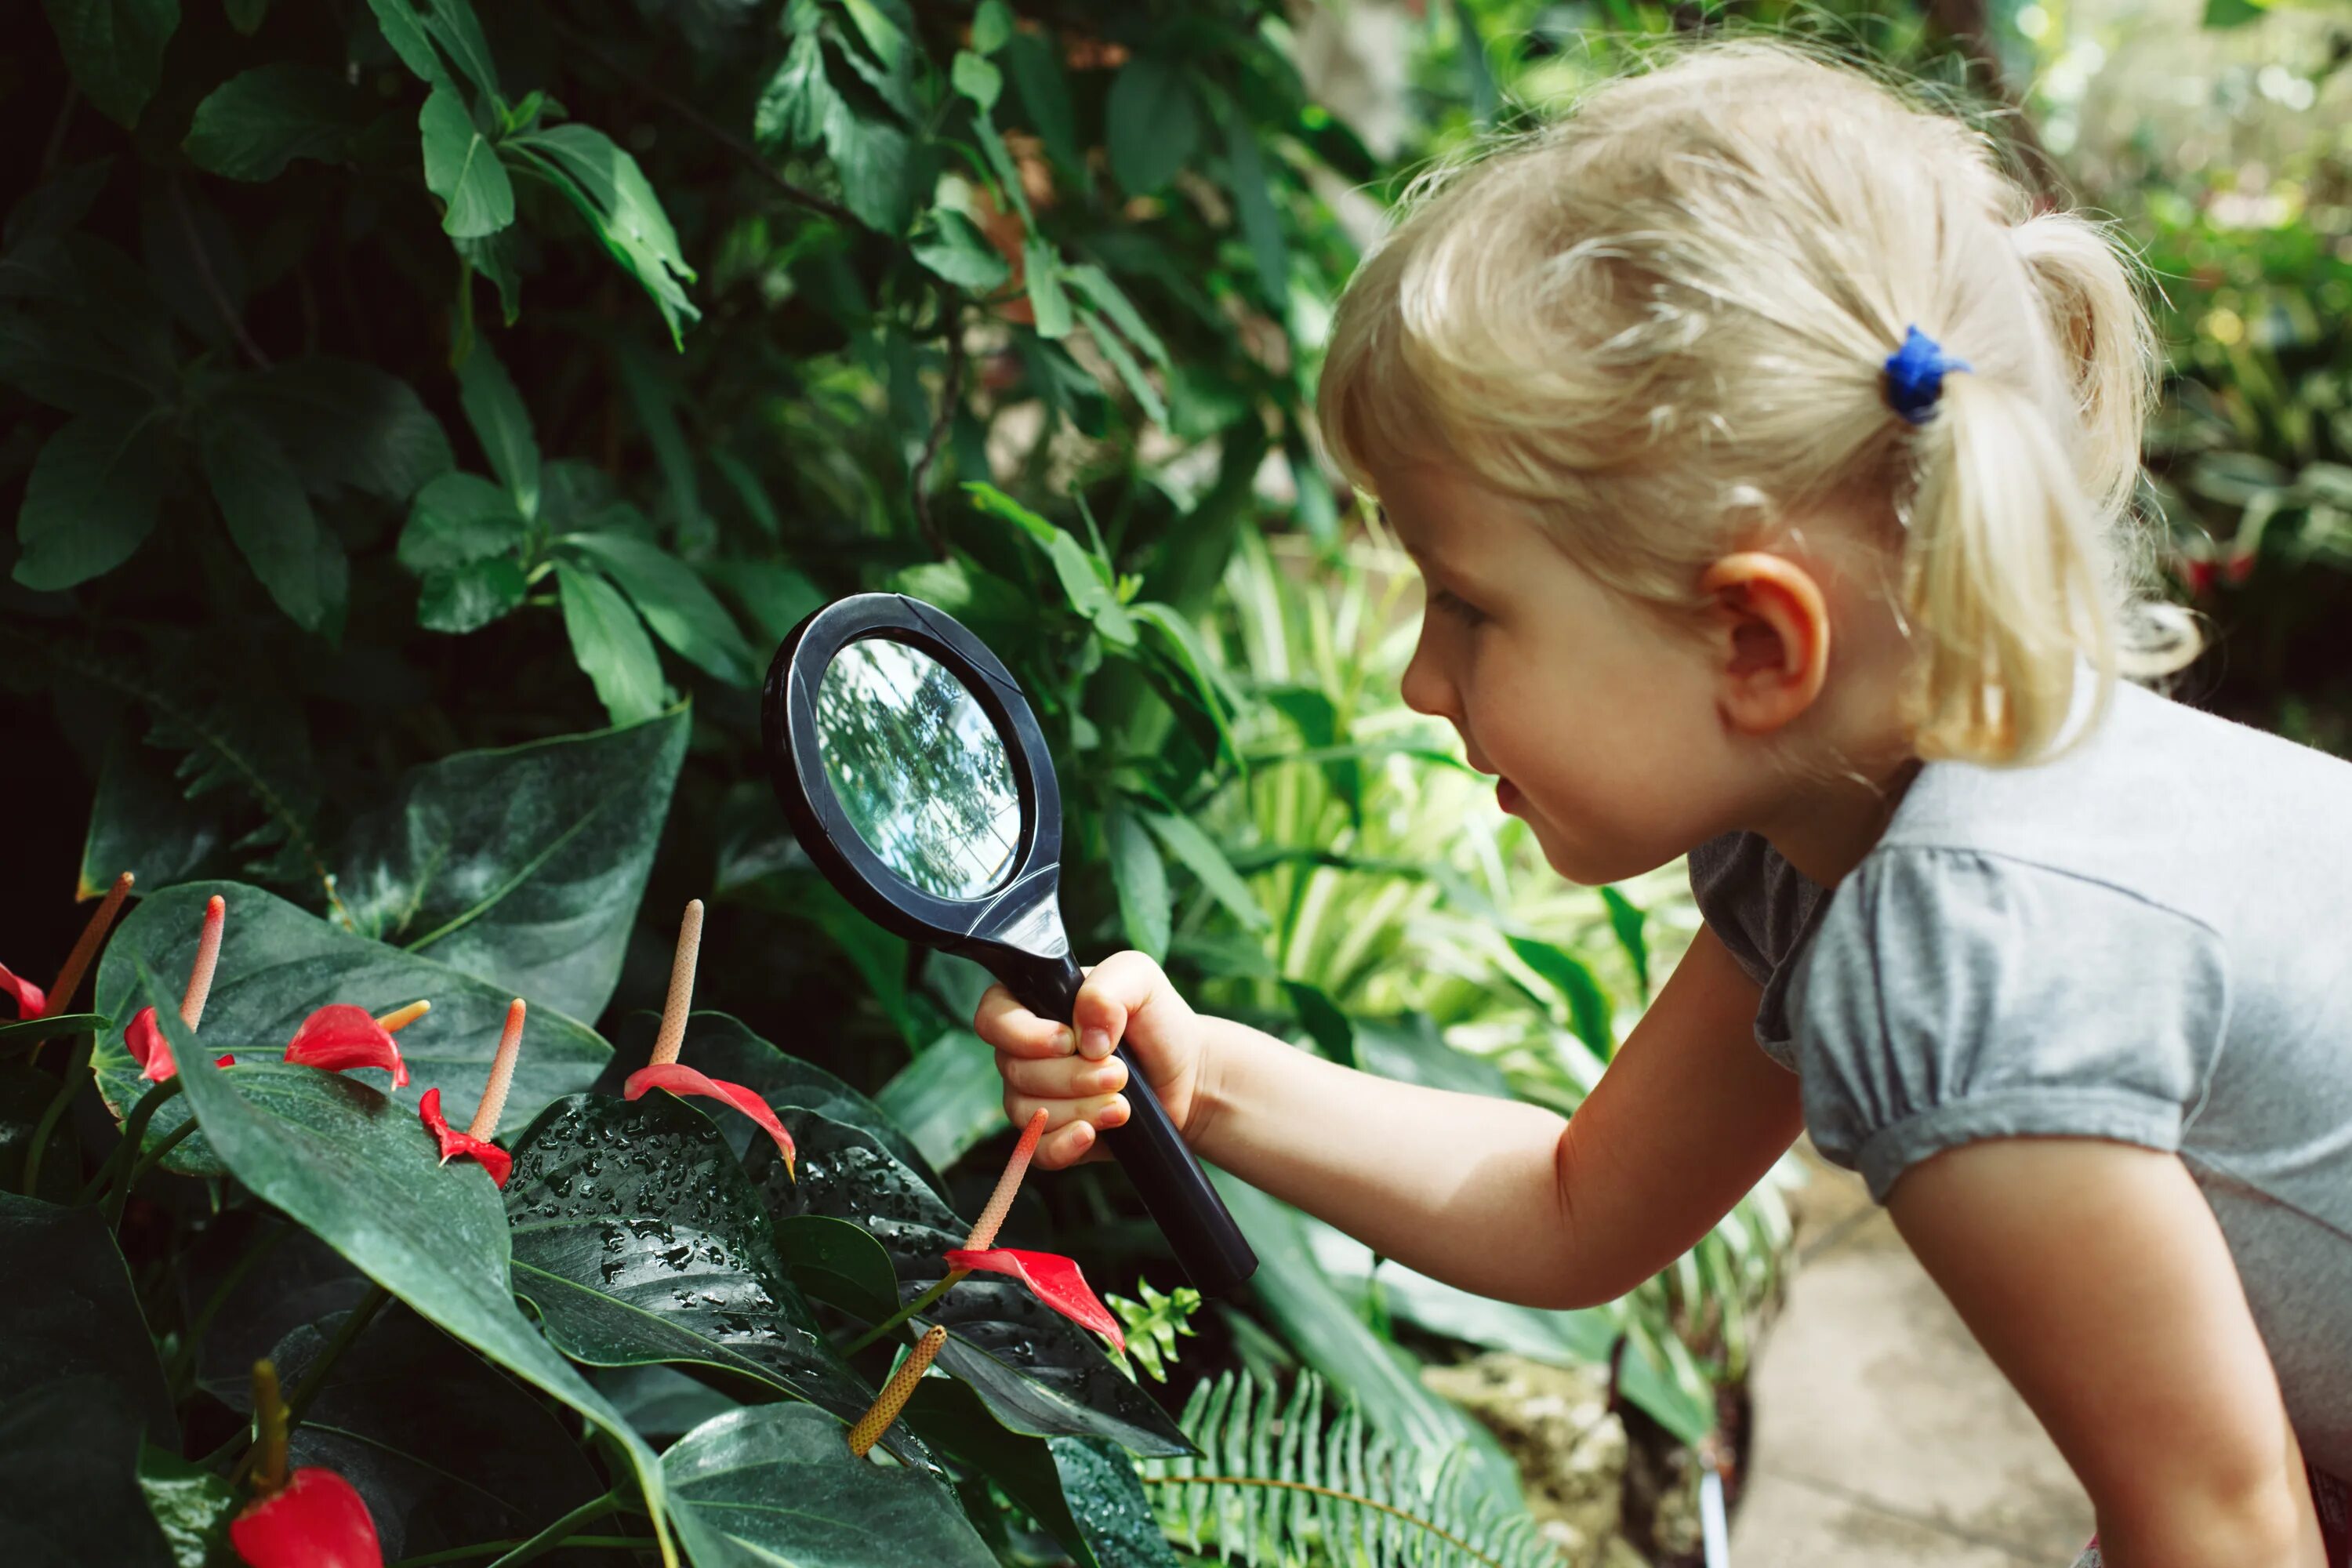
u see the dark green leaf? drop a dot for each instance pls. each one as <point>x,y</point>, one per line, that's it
<point>462,168</point>
<point>459,599</point>
<point>1484,99</point>
<point>114,49</point>
<point>1254,204</point>
<point>1408,1048</point>
<point>609,646</point>
<point>279,963</point>
<point>877,160</point>
<point>949,1098</point>
<point>191,1506</point>
<point>776,597</point>
<point>673,602</point>
<point>262,501</point>
<point>952,1418</point>
<point>1155,408</point>
<point>345,423</point>
<point>1044,92</point>
<point>955,250</point>
<point>404,30</point>
<point>25,1096</point>
<point>639,1240</point>
<point>1588,1004</point>
<point>777,1485</point>
<point>1180,643</point>
<point>257,122</point>
<point>1141,881</point>
<point>445,1450</point>
<point>453,25</point>
<point>798,99</point>
<point>1324,1024</point>
<point>837,1261</point>
<point>25,1031</point>
<point>359,1170</point>
<point>660,1401</point>
<point>502,424</point>
<point>91,499</point>
<point>521,865</point>
<point>1627,921</point>
<point>1153,124</point>
<point>1112,301</point>
<point>73,1314</point>
<point>70,1451</point>
<point>246,16</point>
<point>1105,1495</point>
<point>1039,1373</point>
<point>459,519</point>
<point>1185,839</point>
<point>611,192</point>
<point>1042,272</point>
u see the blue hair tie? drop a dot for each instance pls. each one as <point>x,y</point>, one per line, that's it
<point>1915,375</point>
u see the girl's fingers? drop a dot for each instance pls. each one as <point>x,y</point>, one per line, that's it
<point>1015,1030</point>
<point>1104,1111</point>
<point>1061,1078</point>
<point>1073,1144</point>
<point>1115,991</point>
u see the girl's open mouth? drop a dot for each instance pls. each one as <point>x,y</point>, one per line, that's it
<point>1506,794</point>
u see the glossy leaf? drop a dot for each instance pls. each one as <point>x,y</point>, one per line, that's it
<point>191,1506</point>
<point>254,125</point>
<point>837,1261</point>
<point>91,499</point>
<point>340,1160</point>
<point>776,1484</point>
<point>611,646</point>
<point>71,1312</point>
<point>70,1451</point>
<point>460,599</point>
<point>114,49</point>
<point>639,1240</point>
<point>279,964</point>
<point>522,866</point>
<point>445,1450</point>
<point>1038,1372</point>
<point>462,168</point>
<point>1106,1499</point>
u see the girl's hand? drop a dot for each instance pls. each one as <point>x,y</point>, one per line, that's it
<point>1070,1073</point>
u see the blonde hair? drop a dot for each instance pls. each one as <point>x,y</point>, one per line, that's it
<point>1661,324</point>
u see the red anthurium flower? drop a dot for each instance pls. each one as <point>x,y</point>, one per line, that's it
<point>681,1079</point>
<point>490,1156</point>
<point>32,1002</point>
<point>1054,1279</point>
<point>340,1036</point>
<point>152,1052</point>
<point>317,1521</point>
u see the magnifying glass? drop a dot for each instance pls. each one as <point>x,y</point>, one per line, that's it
<point>916,777</point>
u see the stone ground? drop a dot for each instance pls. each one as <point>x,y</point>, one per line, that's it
<point>1883,1435</point>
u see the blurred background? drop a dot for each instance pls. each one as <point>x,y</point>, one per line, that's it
<point>345,441</point>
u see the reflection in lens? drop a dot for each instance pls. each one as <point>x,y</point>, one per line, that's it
<point>918,769</point>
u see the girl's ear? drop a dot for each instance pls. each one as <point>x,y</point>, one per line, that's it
<point>1772,637</point>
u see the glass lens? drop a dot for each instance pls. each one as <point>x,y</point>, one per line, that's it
<point>918,768</point>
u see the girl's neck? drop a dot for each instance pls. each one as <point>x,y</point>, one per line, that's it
<point>1824,832</point>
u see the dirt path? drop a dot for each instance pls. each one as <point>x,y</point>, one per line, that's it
<point>1884,1437</point>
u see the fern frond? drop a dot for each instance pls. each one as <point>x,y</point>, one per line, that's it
<point>1276,1487</point>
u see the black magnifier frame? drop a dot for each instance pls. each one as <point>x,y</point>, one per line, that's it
<point>1015,928</point>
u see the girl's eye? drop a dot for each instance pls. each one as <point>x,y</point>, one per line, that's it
<point>1451,604</point>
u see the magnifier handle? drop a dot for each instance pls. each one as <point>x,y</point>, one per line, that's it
<point>1183,1204</point>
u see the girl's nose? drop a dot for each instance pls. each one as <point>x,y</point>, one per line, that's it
<point>1425,689</point>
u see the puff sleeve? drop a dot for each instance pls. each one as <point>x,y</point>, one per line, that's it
<point>1951,995</point>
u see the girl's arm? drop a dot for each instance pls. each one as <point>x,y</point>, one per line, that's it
<point>1501,1198</point>
<point>2095,1276</point>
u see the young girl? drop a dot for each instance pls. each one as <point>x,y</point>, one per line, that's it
<point>1768,460</point>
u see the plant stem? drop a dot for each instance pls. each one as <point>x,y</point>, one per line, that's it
<point>312,1379</point>
<point>121,1197</point>
<point>548,1540</point>
<point>134,1133</point>
<point>184,1359</point>
<point>486,1548</point>
<point>77,1068</point>
<point>903,1313</point>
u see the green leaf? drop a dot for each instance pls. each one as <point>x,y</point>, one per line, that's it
<point>26,1094</point>
<point>1112,301</point>
<point>1039,1373</point>
<point>1185,839</point>
<point>254,125</point>
<point>1588,1004</point>
<point>114,49</point>
<point>91,499</point>
<point>1180,643</point>
<point>660,1401</point>
<point>462,168</point>
<point>25,1031</point>
<point>1485,98</point>
<point>191,1506</point>
<point>502,424</point>
<point>1044,90</point>
<point>1408,1048</point>
<point>73,1314</point>
<point>610,644</point>
<point>837,1261</point>
<point>71,1450</point>
<point>399,1404</point>
<point>1041,270</point>
<point>1153,124</point>
<point>639,1240</point>
<point>1326,1025</point>
<point>798,99</point>
<point>262,501</point>
<point>344,423</point>
<point>948,1099</point>
<point>952,1418</point>
<point>521,865</point>
<point>681,611</point>
<point>459,519</point>
<point>404,30</point>
<point>279,963</point>
<point>360,1173</point>
<point>2224,13</point>
<point>1105,1495</point>
<point>1147,396</point>
<point>991,27</point>
<point>1141,881</point>
<point>1627,921</point>
<point>777,1485</point>
<point>877,161</point>
<point>1253,206</point>
<point>608,189</point>
<point>454,26</point>
<point>955,250</point>
<point>977,80</point>
<point>460,599</point>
